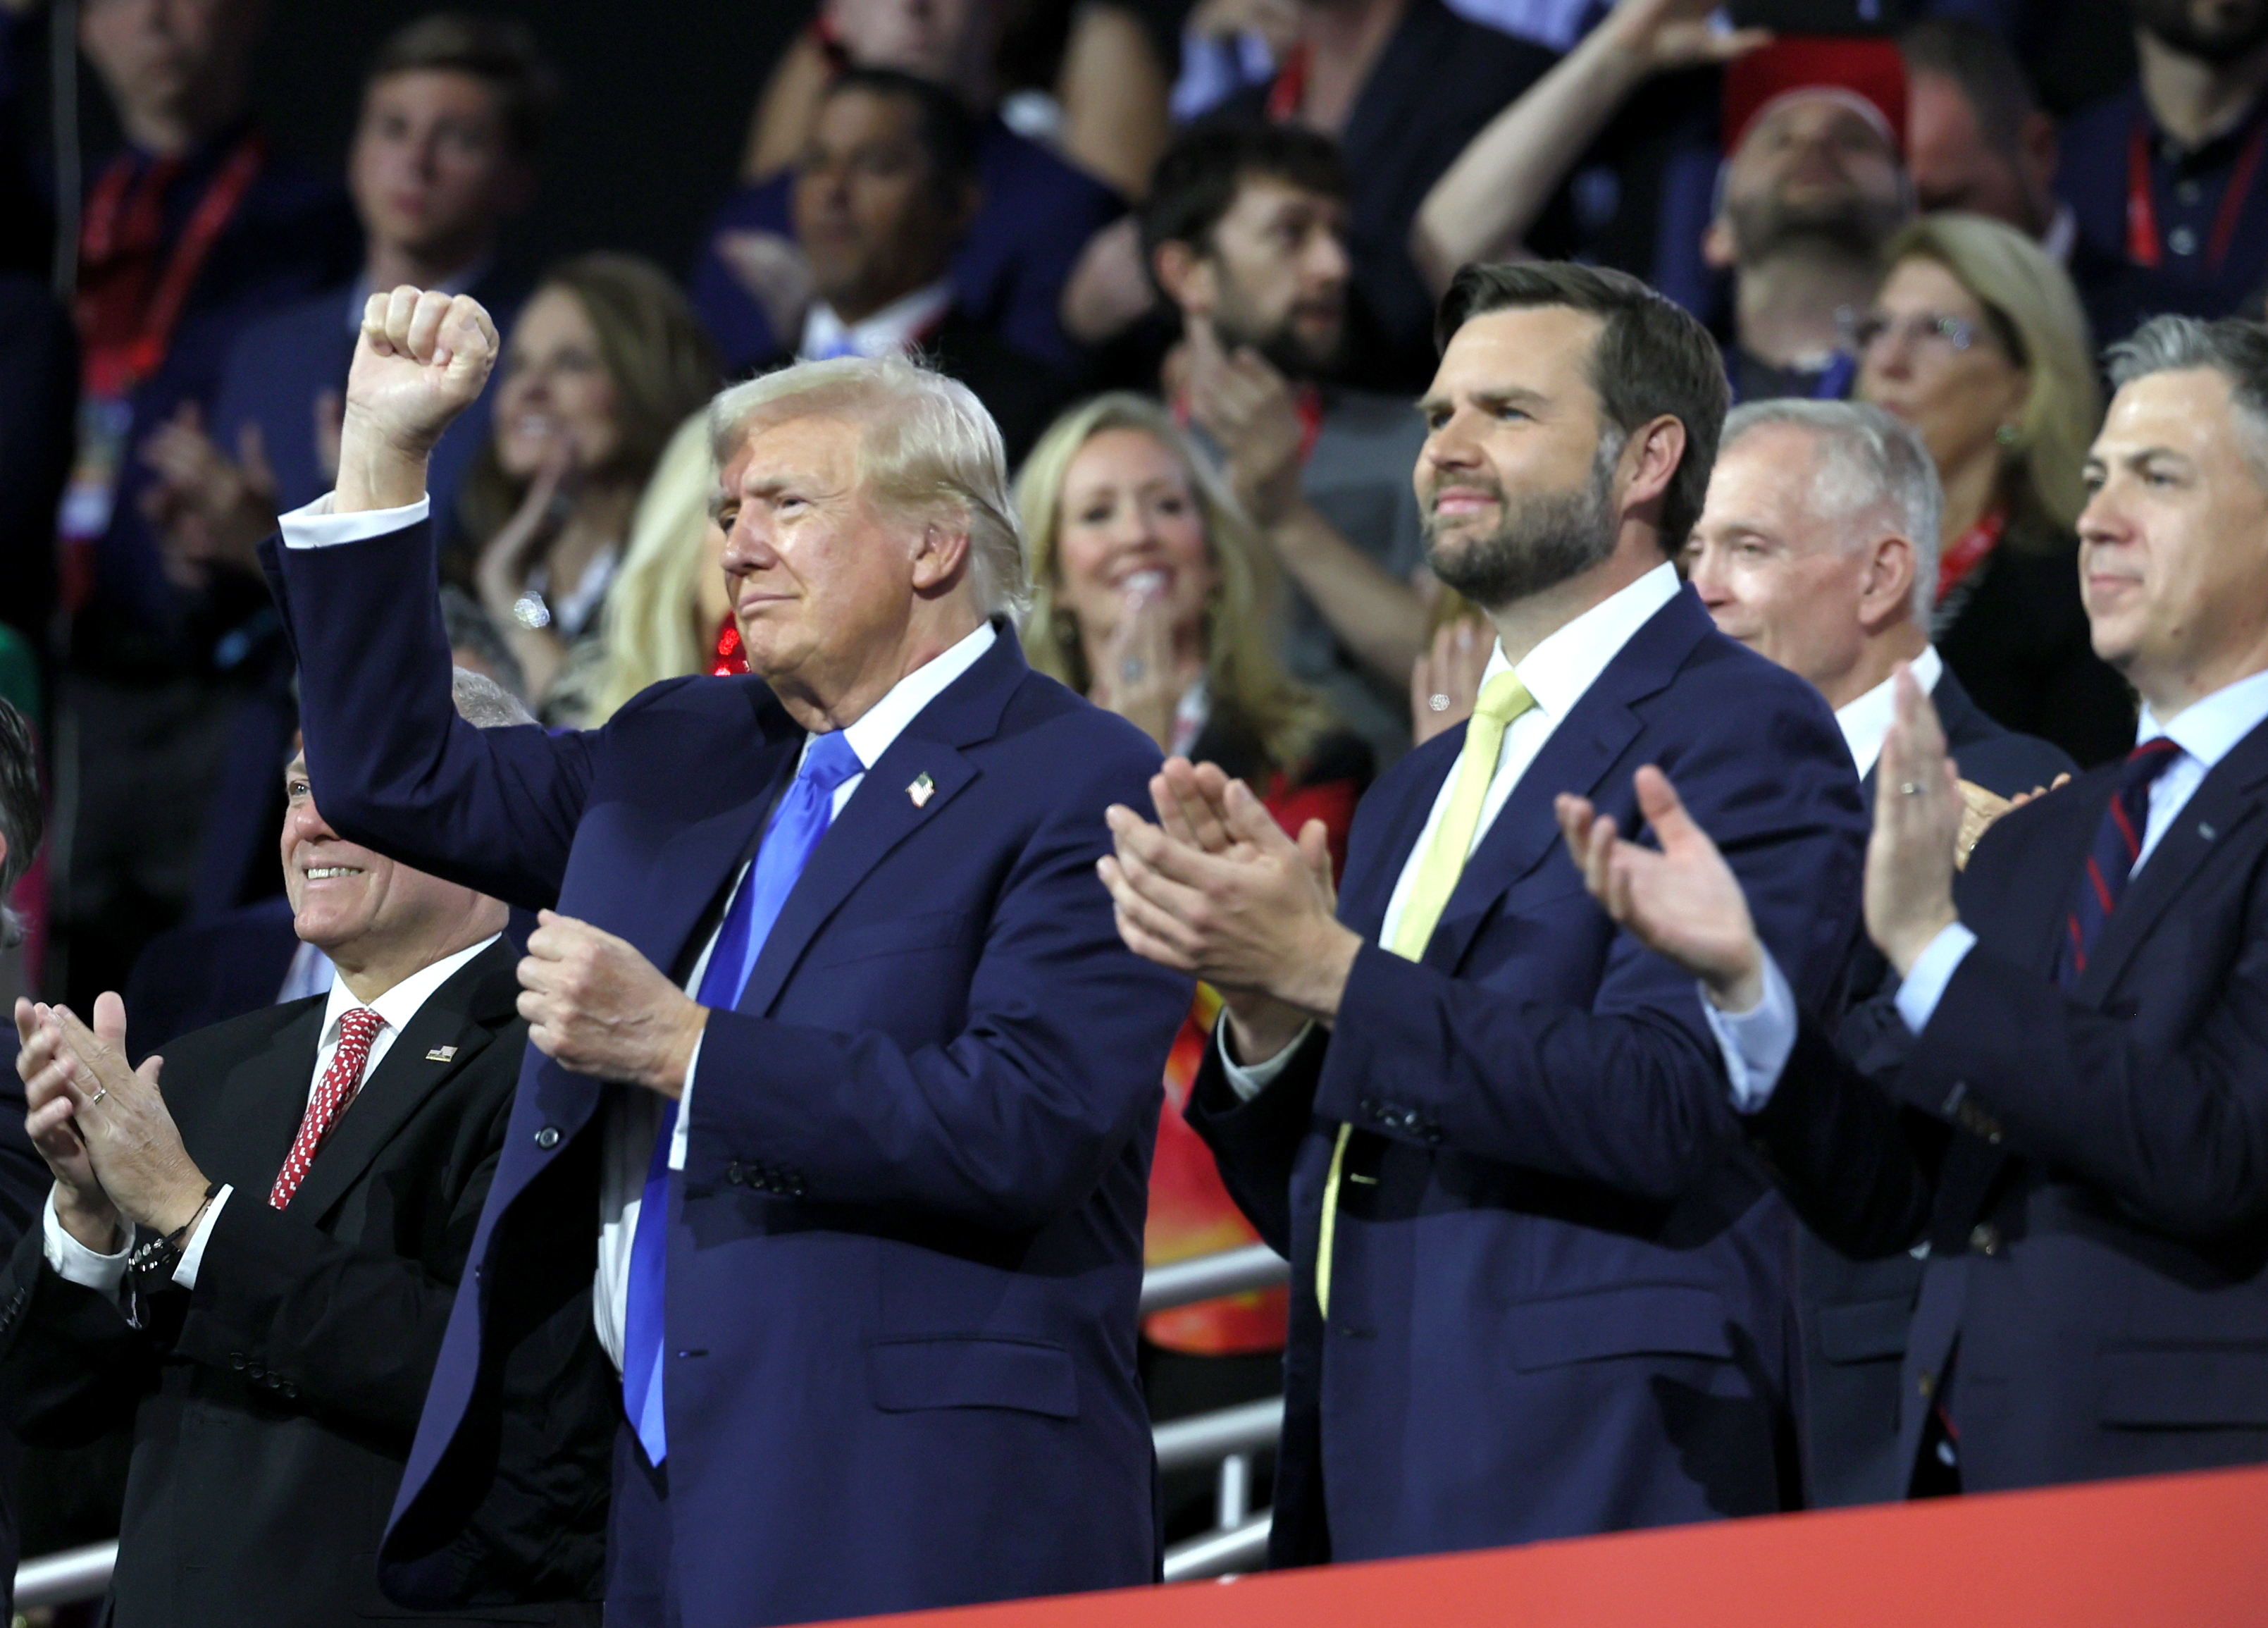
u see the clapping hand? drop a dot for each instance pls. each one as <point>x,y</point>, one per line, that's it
<point>103,1127</point>
<point>1682,902</point>
<point>1917,816</point>
<point>422,359</point>
<point>1663,36</point>
<point>1138,680</point>
<point>208,508</point>
<point>1218,890</point>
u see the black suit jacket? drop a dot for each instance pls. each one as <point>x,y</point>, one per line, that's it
<point>1854,1313</point>
<point>2089,1169</point>
<point>273,1406</point>
<point>24,1183</point>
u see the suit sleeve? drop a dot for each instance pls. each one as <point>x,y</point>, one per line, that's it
<point>2179,1137</point>
<point>392,763</point>
<point>343,1332</point>
<point>1012,1122</point>
<point>1860,1171</point>
<point>1630,1090</point>
<point>1256,1142</point>
<point>71,1368</point>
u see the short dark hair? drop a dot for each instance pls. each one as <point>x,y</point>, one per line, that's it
<point>943,128</point>
<point>23,812</point>
<point>1652,359</point>
<point>1197,179</point>
<point>2236,349</point>
<point>1990,76</point>
<point>499,51</point>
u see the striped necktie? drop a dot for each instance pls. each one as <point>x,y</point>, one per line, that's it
<point>2110,862</point>
<point>1502,699</point>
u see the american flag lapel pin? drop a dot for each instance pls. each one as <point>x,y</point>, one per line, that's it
<point>440,1054</point>
<point>922,789</point>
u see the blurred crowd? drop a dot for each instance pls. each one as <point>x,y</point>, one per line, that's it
<point>1189,256</point>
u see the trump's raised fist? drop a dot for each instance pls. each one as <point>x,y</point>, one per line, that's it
<point>422,359</point>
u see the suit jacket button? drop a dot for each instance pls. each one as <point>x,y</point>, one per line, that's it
<point>1984,1238</point>
<point>1928,1384</point>
<point>291,1392</point>
<point>548,1138</point>
<point>236,1360</point>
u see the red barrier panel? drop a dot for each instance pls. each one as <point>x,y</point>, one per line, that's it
<point>2173,1551</point>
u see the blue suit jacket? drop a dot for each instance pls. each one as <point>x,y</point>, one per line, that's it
<point>2086,1164</point>
<point>905,1251</point>
<point>1559,1286</point>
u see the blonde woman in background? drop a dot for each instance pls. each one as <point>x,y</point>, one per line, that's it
<point>668,612</point>
<point>602,365</point>
<point>1978,340</point>
<point>1150,591</point>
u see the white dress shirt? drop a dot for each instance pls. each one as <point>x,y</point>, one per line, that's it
<point>1558,674</point>
<point>895,328</point>
<point>1757,1043</point>
<point>1865,722</point>
<point>634,1118</point>
<point>77,1264</point>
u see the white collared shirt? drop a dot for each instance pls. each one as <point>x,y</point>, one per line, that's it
<point>77,1264</point>
<point>1757,1043</point>
<point>1558,674</point>
<point>1866,721</point>
<point>897,327</point>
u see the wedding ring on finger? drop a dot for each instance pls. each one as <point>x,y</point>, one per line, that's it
<point>100,1092</point>
<point>1438,702</point>
<point>1910,788</point>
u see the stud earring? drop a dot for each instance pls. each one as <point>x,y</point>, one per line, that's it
<point>2008,435</point>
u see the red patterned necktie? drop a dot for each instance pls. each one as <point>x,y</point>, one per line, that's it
<point>359,1026</point>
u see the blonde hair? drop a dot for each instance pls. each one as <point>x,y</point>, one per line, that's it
<point>2029,296</point>
<point>1245,680</point>
<point>928,451</point>
<point>649,627</point>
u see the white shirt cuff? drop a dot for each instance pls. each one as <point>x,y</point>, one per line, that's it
<point>1248,1080</point>
<point>1932,969</point>
<point>1755,1042</point>
<point>74,1262</point>
<point>193,1246</point>
<point>685,1104</point>
<point>315,527</point>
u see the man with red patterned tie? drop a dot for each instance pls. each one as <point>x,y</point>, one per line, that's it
<point>2066,1100</point>
<point>255,1270</point>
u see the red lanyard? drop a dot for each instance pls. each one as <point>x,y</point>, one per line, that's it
<point>1290,86</point>
<point>115,364</point>
<point>2142,244</point>
<point>1964,557</point>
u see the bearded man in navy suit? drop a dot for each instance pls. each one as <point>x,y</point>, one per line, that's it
<point>840,1104</point>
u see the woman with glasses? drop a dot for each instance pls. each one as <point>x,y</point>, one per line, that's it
<point>1978,340</point>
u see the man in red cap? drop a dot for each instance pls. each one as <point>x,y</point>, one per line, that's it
<point>1812,186</point>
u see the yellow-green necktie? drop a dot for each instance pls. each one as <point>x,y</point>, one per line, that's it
<point>1502,699</point>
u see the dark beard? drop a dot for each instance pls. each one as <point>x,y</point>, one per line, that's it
<point>1852,228</point>
<point>1544,540</point>
<point>2170,21</point>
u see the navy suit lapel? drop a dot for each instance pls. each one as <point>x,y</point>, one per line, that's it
<point>2226,799</point>
<point>456,1015</point>
<point>2029,926</point>
<point>1580,753</point>
<point>1362,905</point>
<point>882,812</point>
<point>240,1133</point>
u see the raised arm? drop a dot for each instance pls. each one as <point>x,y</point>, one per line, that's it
<point>1485,204</point>
<point>355,577</point>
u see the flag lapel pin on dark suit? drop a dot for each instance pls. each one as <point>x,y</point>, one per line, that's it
<point>440,1054</point>
<point>922,789</point>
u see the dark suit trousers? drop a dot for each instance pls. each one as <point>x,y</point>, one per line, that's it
<point>640,1590</point>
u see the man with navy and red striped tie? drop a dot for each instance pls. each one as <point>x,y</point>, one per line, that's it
<point>2069,1107</point>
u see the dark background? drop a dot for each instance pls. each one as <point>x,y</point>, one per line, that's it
<point>648,135</point>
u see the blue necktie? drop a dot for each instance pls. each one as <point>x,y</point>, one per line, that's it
<point>2110,862</point>
<point>797,825</point>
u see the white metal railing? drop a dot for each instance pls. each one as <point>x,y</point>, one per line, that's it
<point>61,1579</point>
<point>1229,1437</point>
